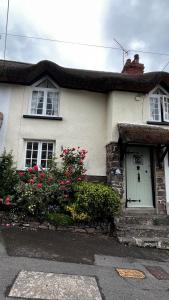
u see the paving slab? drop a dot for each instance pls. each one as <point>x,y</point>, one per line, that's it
<point>49,286</point>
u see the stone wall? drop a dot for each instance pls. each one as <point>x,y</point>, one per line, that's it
<point>114,171</point>
<point>160,191</point>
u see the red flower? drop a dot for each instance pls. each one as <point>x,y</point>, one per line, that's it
<point>50,179</point>
<point>68,181</point>
<point>35,168</point>
<point>42,175</point>
<point>39,185</point>
<point>67,173</point>
<point>31,181</point>
<point>62,182</point>
<point>81,162</point>
<point>21,174</point>
<point>7,200</point>
<point>79,179</point>
<point>66,151</point>
<point>30,170</point>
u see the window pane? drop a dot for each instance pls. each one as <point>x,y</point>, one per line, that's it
<point>29,145</point>
<point>50,146</point>
<point>44,146</point>
<point>52,103</point>
<point>46,84</point>
<point>35,146</point>
<point>35,154</point>
<point>43,156</point>
<point>37,102</point>
<point>28,163</point>
<point>43,163</point>
<point>155,108</point>
<point>34,162</point>
<point>50,155</point>
<point>166,109</point>
<point>28,154</point>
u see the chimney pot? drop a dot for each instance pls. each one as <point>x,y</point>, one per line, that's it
<point>133,67</point>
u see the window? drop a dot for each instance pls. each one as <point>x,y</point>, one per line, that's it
<point>159,106</point>
<point>45,99</point>
<point>39,153</point>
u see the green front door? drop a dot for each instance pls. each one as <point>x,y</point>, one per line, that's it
<point>139,182</point>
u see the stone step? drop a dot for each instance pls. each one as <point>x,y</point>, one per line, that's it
<point>142,220</point>
<point>146,231</point>
<point>160,242</point>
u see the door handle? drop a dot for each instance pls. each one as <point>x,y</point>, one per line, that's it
<point>138,177</point>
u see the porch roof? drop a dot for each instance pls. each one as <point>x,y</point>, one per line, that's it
<point>143,134</point>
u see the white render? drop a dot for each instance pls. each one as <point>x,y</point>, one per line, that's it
<point>89,120</point>
<point>83,124</point>
<point>126,107</point>
<point>4,108</point>
<point>166,165</point>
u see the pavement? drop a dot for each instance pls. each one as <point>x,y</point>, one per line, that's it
<point>47,264</point>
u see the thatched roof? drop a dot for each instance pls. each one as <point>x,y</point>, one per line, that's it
<point>26,74</point>
<point>143,134</point>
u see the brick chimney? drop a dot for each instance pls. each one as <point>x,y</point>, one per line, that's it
<point>133,67</point>
<point>1,119</point>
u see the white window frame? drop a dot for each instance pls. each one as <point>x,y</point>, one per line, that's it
<point>39,150</point>
<point>161,107</point>
<point>166,119</point>
<point>45,90</point>
<point>157,97</point>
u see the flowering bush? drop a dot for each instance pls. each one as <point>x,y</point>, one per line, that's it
<point>58,194</point>
<point>8,179</point>
<point>38,191</point>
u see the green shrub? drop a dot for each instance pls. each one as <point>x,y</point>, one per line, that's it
<point>8,177</point>
<point>97,201</point>
<point>59,219</point>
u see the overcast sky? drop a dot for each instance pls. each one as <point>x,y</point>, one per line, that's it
<point>136,24</point>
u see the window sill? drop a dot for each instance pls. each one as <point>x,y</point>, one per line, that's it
<point>42,117</point>
<point>157,123</point>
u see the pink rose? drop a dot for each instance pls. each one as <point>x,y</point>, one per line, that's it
<point>39,185</point>
<point>42,175</point>
<point>31,181</point>
<point>7,200</point>
<point>35,168</point>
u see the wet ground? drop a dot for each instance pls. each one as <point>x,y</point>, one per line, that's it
<point>71,247</point>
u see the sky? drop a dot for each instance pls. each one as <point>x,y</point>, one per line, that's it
<point>138,25</point>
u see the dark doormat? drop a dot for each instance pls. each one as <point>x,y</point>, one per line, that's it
<point>158,272</point>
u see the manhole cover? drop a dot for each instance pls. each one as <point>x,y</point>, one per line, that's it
<point>130,273</point>
<point>49,286</point>
<point>158,272</point>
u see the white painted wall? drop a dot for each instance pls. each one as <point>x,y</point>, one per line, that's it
<point>166,167</point>
<point>126,109</point>
<point>84,124</point>
<point>4,108</point>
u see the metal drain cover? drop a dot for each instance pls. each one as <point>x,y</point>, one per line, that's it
<point>130,273</point>
<point>158,272</point>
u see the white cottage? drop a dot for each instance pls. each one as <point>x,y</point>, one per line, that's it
<point>122,120</point>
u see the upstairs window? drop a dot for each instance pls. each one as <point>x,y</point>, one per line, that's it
<point>159,105</point>
<point>45,99</point>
